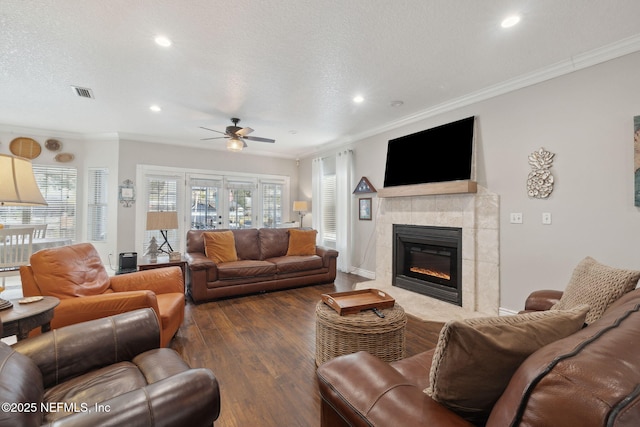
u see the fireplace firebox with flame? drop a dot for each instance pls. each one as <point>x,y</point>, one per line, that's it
<point>427,260</point>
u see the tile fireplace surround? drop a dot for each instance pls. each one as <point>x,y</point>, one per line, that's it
<point>478,216</point>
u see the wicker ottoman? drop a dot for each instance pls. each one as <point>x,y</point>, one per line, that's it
<point>337,335</point>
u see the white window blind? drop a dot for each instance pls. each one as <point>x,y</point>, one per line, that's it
<point>58,186</point>
<point>272,201</point>
<point>98,207</point>
<point>329,208</point>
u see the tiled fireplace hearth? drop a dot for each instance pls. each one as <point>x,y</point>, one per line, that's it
<point>477,214</point>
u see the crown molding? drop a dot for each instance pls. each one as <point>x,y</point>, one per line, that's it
<point>578,62</point>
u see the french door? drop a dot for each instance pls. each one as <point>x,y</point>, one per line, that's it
<point>208,200</point>
<point>221,202</point>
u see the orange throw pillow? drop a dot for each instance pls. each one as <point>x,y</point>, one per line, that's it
<point>302,242</point>
<point>220,246</point>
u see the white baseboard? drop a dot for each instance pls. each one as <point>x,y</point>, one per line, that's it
<point>364,273</point>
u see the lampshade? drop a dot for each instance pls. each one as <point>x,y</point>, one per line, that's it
<point>300,206</point>
<point>18,186</point>
<point>234,144</point>
<point>162,220</point>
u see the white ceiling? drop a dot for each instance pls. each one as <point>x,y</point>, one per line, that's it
<point>288,69</point>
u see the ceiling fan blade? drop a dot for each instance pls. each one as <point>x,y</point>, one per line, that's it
<point>212,130</point>
<point>244,144</point>
<point>215,137</point>
<point>244,131</point>
<point>257,138</point>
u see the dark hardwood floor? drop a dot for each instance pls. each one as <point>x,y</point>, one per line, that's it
<point>262,350</point>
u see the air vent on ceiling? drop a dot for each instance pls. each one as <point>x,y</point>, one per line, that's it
<point>83,92</point>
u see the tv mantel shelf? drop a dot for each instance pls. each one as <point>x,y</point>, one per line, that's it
<point>430,189</point>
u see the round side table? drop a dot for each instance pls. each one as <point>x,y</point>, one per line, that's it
<point>337,335</point>
<point>20,319</point>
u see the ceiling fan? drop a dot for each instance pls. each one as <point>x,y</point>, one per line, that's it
<point>236,136</point>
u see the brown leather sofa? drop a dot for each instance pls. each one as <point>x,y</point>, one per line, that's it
<point>76,275</point>
<point>108,371</point>
<point>590,378</point>
<point>262,265</point>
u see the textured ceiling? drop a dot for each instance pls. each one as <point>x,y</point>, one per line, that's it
<point>288,69</point>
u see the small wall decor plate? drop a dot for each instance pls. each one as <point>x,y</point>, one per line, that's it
<point>64,157</point>
<point>29,300</point>
<point>25,147</point>
<point>52,145</point>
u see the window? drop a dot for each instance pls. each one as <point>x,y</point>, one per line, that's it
<point>58,186</point>
<point>329,208</point>
<point>272,204</point>
<point>205,203</point>
<point>97,208</point>
<point>162,195</point>
<point>240,204</point>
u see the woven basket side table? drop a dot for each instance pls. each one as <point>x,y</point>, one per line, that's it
<point>338,335</point>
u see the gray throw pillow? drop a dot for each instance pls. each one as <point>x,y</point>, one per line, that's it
<point>596,285</point>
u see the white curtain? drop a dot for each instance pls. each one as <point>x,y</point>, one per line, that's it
<point>316,197</point>
<point>344,201</point>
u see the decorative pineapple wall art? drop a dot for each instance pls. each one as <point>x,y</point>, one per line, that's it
<point>540,180</point>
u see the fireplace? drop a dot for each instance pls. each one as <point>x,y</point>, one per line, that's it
<point>428,260</point>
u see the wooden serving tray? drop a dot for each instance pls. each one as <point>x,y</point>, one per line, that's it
<point>354,301</point>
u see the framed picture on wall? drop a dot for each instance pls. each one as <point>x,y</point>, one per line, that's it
<point>364,209</point>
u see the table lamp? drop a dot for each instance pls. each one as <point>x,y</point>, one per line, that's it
<point>18,187</point>
<point>163,221</point>
<point>301,207</point>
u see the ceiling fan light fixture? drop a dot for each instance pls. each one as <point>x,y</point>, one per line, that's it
<point>510,21</point>
<point>234,144</point>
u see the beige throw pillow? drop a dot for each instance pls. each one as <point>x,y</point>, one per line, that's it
<point>475,358</point>
<point>596,285</point>
<point>220,246</point>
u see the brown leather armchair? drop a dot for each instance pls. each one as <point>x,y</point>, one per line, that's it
<point>76,275</point>
<point>107,371</point>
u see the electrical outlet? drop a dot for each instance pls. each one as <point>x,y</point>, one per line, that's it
<point>516,218</point>
<point>546,218</point>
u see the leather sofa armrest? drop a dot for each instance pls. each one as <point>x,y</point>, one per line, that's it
<point>199,261</point>
<point>326,254</point>
<point>202,268</point>
<point>67,352</point>
<point>542,300</point>
<point>164,400</point>
<point>76,310</point>
<point>163,280</point>
<point>366,391</point>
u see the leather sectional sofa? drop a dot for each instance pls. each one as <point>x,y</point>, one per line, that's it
<point>262,265</point>
<point>589,378</point>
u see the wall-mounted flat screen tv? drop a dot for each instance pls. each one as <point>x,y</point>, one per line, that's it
<point>439,154</point>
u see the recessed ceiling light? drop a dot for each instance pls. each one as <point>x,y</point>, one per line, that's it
<point>358,99</point>
<point>163,41</point>
<point>155,108</point>
<point>510,21</point>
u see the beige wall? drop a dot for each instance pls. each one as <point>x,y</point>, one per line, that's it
<point>586,119</point>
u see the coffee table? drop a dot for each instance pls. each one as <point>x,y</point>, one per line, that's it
<point>20,319</point>
<point>337,335</point>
